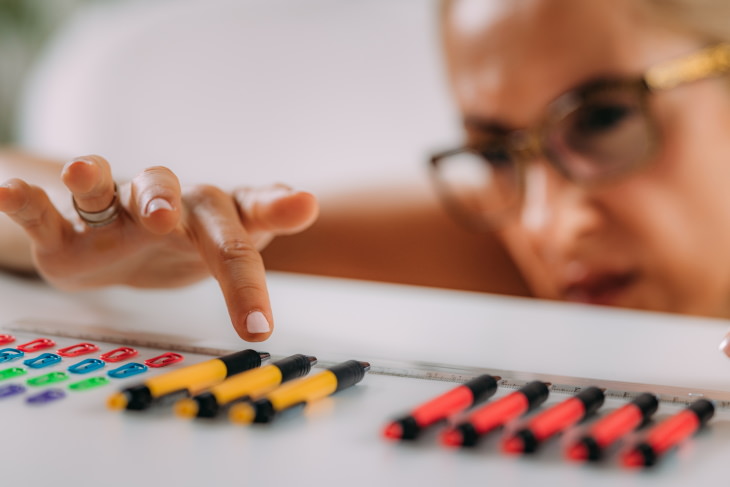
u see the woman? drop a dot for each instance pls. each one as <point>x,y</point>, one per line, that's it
<point>594,156</point>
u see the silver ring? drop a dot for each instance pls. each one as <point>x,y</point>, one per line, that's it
<point>100,218</point>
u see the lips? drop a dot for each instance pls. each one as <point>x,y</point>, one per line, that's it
<point>601,288</point>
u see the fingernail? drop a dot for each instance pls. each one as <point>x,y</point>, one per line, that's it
<point>725,346</point>
<point>256,322</point>
<point>157,204</point>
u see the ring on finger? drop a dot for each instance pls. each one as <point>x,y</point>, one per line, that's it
<point>101,218</point>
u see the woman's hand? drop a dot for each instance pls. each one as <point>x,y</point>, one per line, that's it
<point>162,236</point>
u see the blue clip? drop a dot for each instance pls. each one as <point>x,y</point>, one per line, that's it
<point>9,354</point>
<point>86,366</point>
<point>46,396</point>
<point>42,360</point>
<point>11,390</point>
<point>127,370</point>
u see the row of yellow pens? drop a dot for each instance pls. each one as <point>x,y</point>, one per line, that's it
<point>590,444</point>
<point>238,386</point>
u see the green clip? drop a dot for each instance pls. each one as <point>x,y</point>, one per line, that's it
<point>11,372</point>
<point>89,383</point>
<point>50,378</point>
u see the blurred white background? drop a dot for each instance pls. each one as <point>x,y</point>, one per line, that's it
<point>308,92</point>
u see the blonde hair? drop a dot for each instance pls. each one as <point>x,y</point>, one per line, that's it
<point>707,19</point>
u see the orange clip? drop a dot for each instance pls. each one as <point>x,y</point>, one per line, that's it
<point>167,358</point>
<point>78,349</point>
<point>118,354</point>
<point>37,344</point>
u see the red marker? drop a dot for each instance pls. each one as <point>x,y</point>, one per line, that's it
<point>496,414</point>
<point>553,420</point>
<point>613,426</point>
<point>458,399</point>
<point>669,433</point>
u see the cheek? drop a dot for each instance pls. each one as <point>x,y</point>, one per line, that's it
<point>685,203</point>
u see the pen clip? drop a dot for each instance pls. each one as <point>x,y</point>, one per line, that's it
<point>37,344</point>
<point>42,360</point>
<point>118,354</point>
<point>167,358</point>
<point>78,349</point>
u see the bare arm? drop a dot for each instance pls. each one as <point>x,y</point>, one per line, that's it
<point>396,235</point>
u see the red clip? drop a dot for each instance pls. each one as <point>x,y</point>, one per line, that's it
<point>167,358</point>
<point>37,344</point>
<point>6,339</point>
<point>119,354</point>
<point>78,349</point>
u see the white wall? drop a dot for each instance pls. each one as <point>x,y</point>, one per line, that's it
<point>308,92</point>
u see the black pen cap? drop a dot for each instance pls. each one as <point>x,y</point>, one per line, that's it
<point>242,361</point>
<point>349,373</point>
<point>704,410</point>
<point>592,399</point>
<point>482,387</point>
<point>295,366</point>
<point>536,393</point>
<point>647,404</point>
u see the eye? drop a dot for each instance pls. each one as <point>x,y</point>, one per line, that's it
<point>598,119</point>
<point>496,156</point>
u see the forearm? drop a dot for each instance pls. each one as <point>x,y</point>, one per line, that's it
<point>399,235</point>
<point>15,252</point>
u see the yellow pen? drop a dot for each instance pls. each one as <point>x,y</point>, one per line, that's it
<point>246,385</point>
<point>185,381</point>
<point>301,391</point>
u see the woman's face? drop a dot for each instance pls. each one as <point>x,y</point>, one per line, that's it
<point>658,239</point>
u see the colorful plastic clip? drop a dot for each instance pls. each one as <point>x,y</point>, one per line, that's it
<point>86,366</point>
<point>46,396</point>
<point>127,370</point>
<point>89,383</point>
<point>37,344</point>
<point>119,354</point>
<point>167,358</point>
<point>5,339</point>
<point>49,378</point>
<point>11,390</point>
<point>10,354</point>
<point>11,372</point>
<point>42,360</point>
<point>78,349</point>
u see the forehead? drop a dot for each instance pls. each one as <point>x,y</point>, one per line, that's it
<point>508,58</point>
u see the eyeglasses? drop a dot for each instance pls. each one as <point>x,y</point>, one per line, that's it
<point>599,133</point>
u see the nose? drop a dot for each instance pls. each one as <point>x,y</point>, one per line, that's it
<point>556,213</point>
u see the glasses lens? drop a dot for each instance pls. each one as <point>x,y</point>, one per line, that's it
<point>480,185</point>
<point>600,134</point>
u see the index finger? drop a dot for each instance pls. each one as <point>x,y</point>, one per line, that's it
<point>232,259</point>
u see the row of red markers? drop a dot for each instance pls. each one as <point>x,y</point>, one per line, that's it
<point>591,444</point>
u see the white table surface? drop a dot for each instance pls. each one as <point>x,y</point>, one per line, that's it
<point>401,330</point>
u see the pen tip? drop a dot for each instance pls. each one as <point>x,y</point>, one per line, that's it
<point>577,452</point>
<point>242,413</point>
<point>513,444</point>
<point>312,359</point>
<point>264,356</point>
<point>365,366</point>
<point>117,402</point>
<point>393,431</point>
<point>633,459</point>
<point>186,408</point>
<point>452,437</point>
